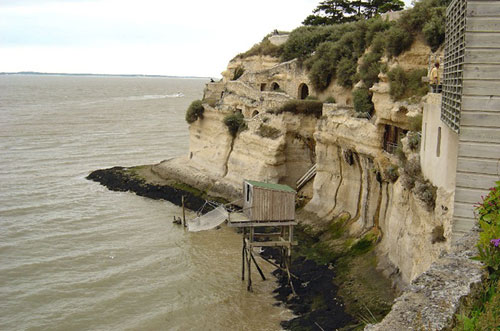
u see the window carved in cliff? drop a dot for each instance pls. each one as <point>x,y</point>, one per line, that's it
<point>275,86</point>
<point>263,86</point>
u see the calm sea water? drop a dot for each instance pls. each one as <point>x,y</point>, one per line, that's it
<point>75,256</point>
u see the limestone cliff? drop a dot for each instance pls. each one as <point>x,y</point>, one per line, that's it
<point>356,166</point>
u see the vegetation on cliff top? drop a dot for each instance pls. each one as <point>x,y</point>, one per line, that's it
<point>332,51</point>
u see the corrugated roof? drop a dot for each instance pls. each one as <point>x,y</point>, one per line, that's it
<point>271,186</point>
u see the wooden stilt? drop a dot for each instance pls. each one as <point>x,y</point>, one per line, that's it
<point>287,264</point>
<point>257,266</point>
<point>249,273</point>
<point>243,260</point>
<point>183,212</point>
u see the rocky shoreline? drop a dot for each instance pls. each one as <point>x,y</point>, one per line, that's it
<point>316,304</point>
<point>126,179</point>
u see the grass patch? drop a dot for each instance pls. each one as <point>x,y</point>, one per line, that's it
<point>270,132</point>
<point>306,107</point>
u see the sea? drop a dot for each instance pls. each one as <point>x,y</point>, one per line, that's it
<point>76,256</point>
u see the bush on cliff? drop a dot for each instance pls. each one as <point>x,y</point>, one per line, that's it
<point>407,84</point>
<point>265,47</point>
<point>235,123</point>
<point>362,101</point>
<point>306,107</point>
<point>194,111</point>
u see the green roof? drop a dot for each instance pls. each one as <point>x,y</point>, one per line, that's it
<point>271,186</point>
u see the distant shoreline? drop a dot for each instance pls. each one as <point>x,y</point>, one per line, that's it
<point>95,75</point>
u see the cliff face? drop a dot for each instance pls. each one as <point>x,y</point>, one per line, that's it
<point>354,173</point>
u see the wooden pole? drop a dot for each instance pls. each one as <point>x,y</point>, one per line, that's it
<point>183,212</point>
<point>243,256</point>
<point>258,267</point>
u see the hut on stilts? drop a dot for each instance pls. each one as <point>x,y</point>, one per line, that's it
<point>269,211</point>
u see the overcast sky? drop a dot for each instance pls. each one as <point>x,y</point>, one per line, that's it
<point>180,38</point>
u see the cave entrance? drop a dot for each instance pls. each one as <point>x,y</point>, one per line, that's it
<point>303,91</point>
<point>275,86</point>
<point>392,138</point>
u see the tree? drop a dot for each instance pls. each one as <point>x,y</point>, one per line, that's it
<point>331,12</point>
<point>341,11</point>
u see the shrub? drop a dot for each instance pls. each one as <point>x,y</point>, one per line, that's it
<point>398,40</point>
<point>488,212</point>
<point>433,30</point>
<point>416,123</point>
<point>307,107</point>
<point>238,72</point>
<point>426,192</point>
<point>265,47</point>
<point>391,173</point>
<point>413,140</point>
<point>346,71</point>
<point>362,101</point>
<point>194,111</point>
<point>267,131</point>
<point>330,99</point>
<point>235,123</point>
<point>406,84</point>
<point>370,68</point>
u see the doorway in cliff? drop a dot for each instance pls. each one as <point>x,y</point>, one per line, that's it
<point>303,91</point>
<point>275,86</point>
<point>392,138</point>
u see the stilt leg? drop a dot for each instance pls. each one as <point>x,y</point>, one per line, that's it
<point>257,266</point>
<point>243,260</point>
<point>249,263</point>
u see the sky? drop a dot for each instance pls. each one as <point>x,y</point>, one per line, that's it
<point>159,37</point>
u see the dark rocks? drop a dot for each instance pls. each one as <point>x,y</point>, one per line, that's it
<point>119,179</point>
<point>316,302</point>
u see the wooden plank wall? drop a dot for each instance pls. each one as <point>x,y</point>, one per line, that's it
<point>270,205</point>
<point>479,140</point>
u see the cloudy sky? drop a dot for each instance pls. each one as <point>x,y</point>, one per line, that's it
<point>182,37</point>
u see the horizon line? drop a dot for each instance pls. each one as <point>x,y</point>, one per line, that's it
<point>96,74</point>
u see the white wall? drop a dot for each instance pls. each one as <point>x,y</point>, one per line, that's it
<point>440,170</point>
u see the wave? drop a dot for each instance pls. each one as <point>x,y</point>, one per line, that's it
<point>155,96</point>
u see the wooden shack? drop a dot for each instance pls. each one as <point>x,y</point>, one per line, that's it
<point>268,201</point>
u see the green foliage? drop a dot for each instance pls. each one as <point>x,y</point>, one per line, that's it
<point>413,140</point>
<point>488,212</point>
<point>370,68</point>
<point>265,47</point>
<point>194,111</point>
<point>426,192</point>
<point>406,84</point>
<point>238,72</point>
<point>330,99</point>
<point>433,30</point>
<point>415,123</point>
<point>235,123</point>
<point>398,40</point>
<point>307,107</point>
<point>267,131</point>
<point>346,71</point>
<point>485,313</point>
<point>341,11</point>
<point>391,173</point>
<point>362,101</point>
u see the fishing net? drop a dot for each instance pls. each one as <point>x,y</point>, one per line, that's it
<point>208,221</point>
